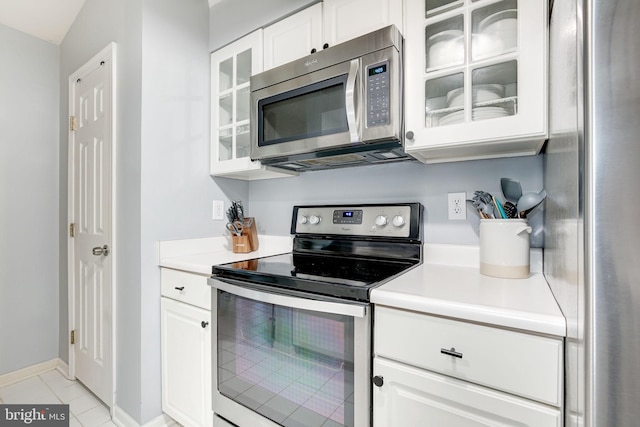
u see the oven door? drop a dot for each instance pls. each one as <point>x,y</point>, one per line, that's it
<point>289,360</point>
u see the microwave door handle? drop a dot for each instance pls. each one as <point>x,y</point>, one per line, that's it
<point>350,101</point>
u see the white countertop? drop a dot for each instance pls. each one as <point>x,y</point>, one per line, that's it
<point>449,283</point>
<point>199,255</point>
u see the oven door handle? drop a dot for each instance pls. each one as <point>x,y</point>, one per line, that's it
<point>351,101</point>
<point>352,309</point>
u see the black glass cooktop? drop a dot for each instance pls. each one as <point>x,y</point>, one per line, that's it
<point>337,276</point>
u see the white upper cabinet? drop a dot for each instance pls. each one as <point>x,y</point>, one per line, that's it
<point>326,24</point>
<point>231,68</point>
<point>475,78</point>
<point>293,37</point>
<point>347,19</point>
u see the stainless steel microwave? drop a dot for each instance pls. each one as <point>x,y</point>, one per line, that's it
<point>338,107</point>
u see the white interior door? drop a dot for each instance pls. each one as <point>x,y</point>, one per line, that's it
<point>91,264</point>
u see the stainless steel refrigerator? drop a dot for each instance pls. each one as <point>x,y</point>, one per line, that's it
<point>592,175</point>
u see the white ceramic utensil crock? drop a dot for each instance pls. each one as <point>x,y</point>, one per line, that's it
<point>504,248</point>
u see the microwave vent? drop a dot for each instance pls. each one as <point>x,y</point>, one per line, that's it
<point>332,160</point>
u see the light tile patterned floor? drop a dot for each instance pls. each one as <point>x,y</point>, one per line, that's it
<point>51,387</point>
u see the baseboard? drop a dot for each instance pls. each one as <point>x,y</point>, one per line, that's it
<point>28,372</point>
<point>63,368</point>
<point>122,419</point>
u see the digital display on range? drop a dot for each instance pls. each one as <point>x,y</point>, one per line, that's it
<point>378,70</point>
<point>347,216</point>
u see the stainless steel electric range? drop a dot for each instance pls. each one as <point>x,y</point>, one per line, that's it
<point>293,331</point>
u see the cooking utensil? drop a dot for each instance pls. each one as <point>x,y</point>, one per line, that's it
<point>233,229</point>
<point>499,207</point>
<point>510,209</point>
<point>529,202</point>
<point>485,202</point>
<point>231,216</point>
<point>511,189</point>
<point>240,211</point>
<point>239,226</point>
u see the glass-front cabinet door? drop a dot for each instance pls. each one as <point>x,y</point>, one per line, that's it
<point>476,78</point>
<point>231,70</point>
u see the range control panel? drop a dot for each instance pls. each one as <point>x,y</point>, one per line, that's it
<point>366,220</point>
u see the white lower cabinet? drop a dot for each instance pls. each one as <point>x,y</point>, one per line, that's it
<point>431,371</point>
<point>186,356</point>
<point>415,397</point>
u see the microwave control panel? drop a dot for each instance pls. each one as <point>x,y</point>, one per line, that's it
<point>378,94</point>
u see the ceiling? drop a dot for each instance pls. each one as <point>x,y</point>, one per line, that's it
<point>48,20</point>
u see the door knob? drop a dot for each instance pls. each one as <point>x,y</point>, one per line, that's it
<point>97,251</point>
<point>204,324</point>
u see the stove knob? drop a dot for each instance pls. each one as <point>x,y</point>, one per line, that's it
<point>381,220</point>
<point>314,220</point>
<point>303,219</point>
<point>398,221</point>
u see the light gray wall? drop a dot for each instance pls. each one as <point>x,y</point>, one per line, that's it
<point>271,202</point>
<point>176,189</point>
<point>163,188</point>
<point>28,200</point>
<point>231,19</point>
<point>97,24</point>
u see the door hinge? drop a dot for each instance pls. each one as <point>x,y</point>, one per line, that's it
<point>73,337</point>
<point>73,123</point>
<point>72,229</point>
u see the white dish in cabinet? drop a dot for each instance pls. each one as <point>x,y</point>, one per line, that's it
<point>505,43</point>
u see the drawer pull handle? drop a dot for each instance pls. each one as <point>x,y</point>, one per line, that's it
<point>451,352</point>
<point>179,288</point>
<point>204,324</point>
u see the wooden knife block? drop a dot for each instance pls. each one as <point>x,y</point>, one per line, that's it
<point>248,241</point>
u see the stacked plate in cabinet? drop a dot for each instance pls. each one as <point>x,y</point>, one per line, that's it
<point>497,33</point>
<point>484,113</point>
<point>446,48</point>
<point>484,93</point>
<point>451,118</point>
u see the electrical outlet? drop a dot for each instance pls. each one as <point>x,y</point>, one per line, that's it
<point>218,210</point>
<point>457,206</point>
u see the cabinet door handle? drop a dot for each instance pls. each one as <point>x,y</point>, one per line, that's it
<point>179,288</point>
<point>204,324</point>
<point>451,352</point>
<point>378,381</point>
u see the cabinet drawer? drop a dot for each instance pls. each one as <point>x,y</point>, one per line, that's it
<point>186,287</point>
<point>519,363</point>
